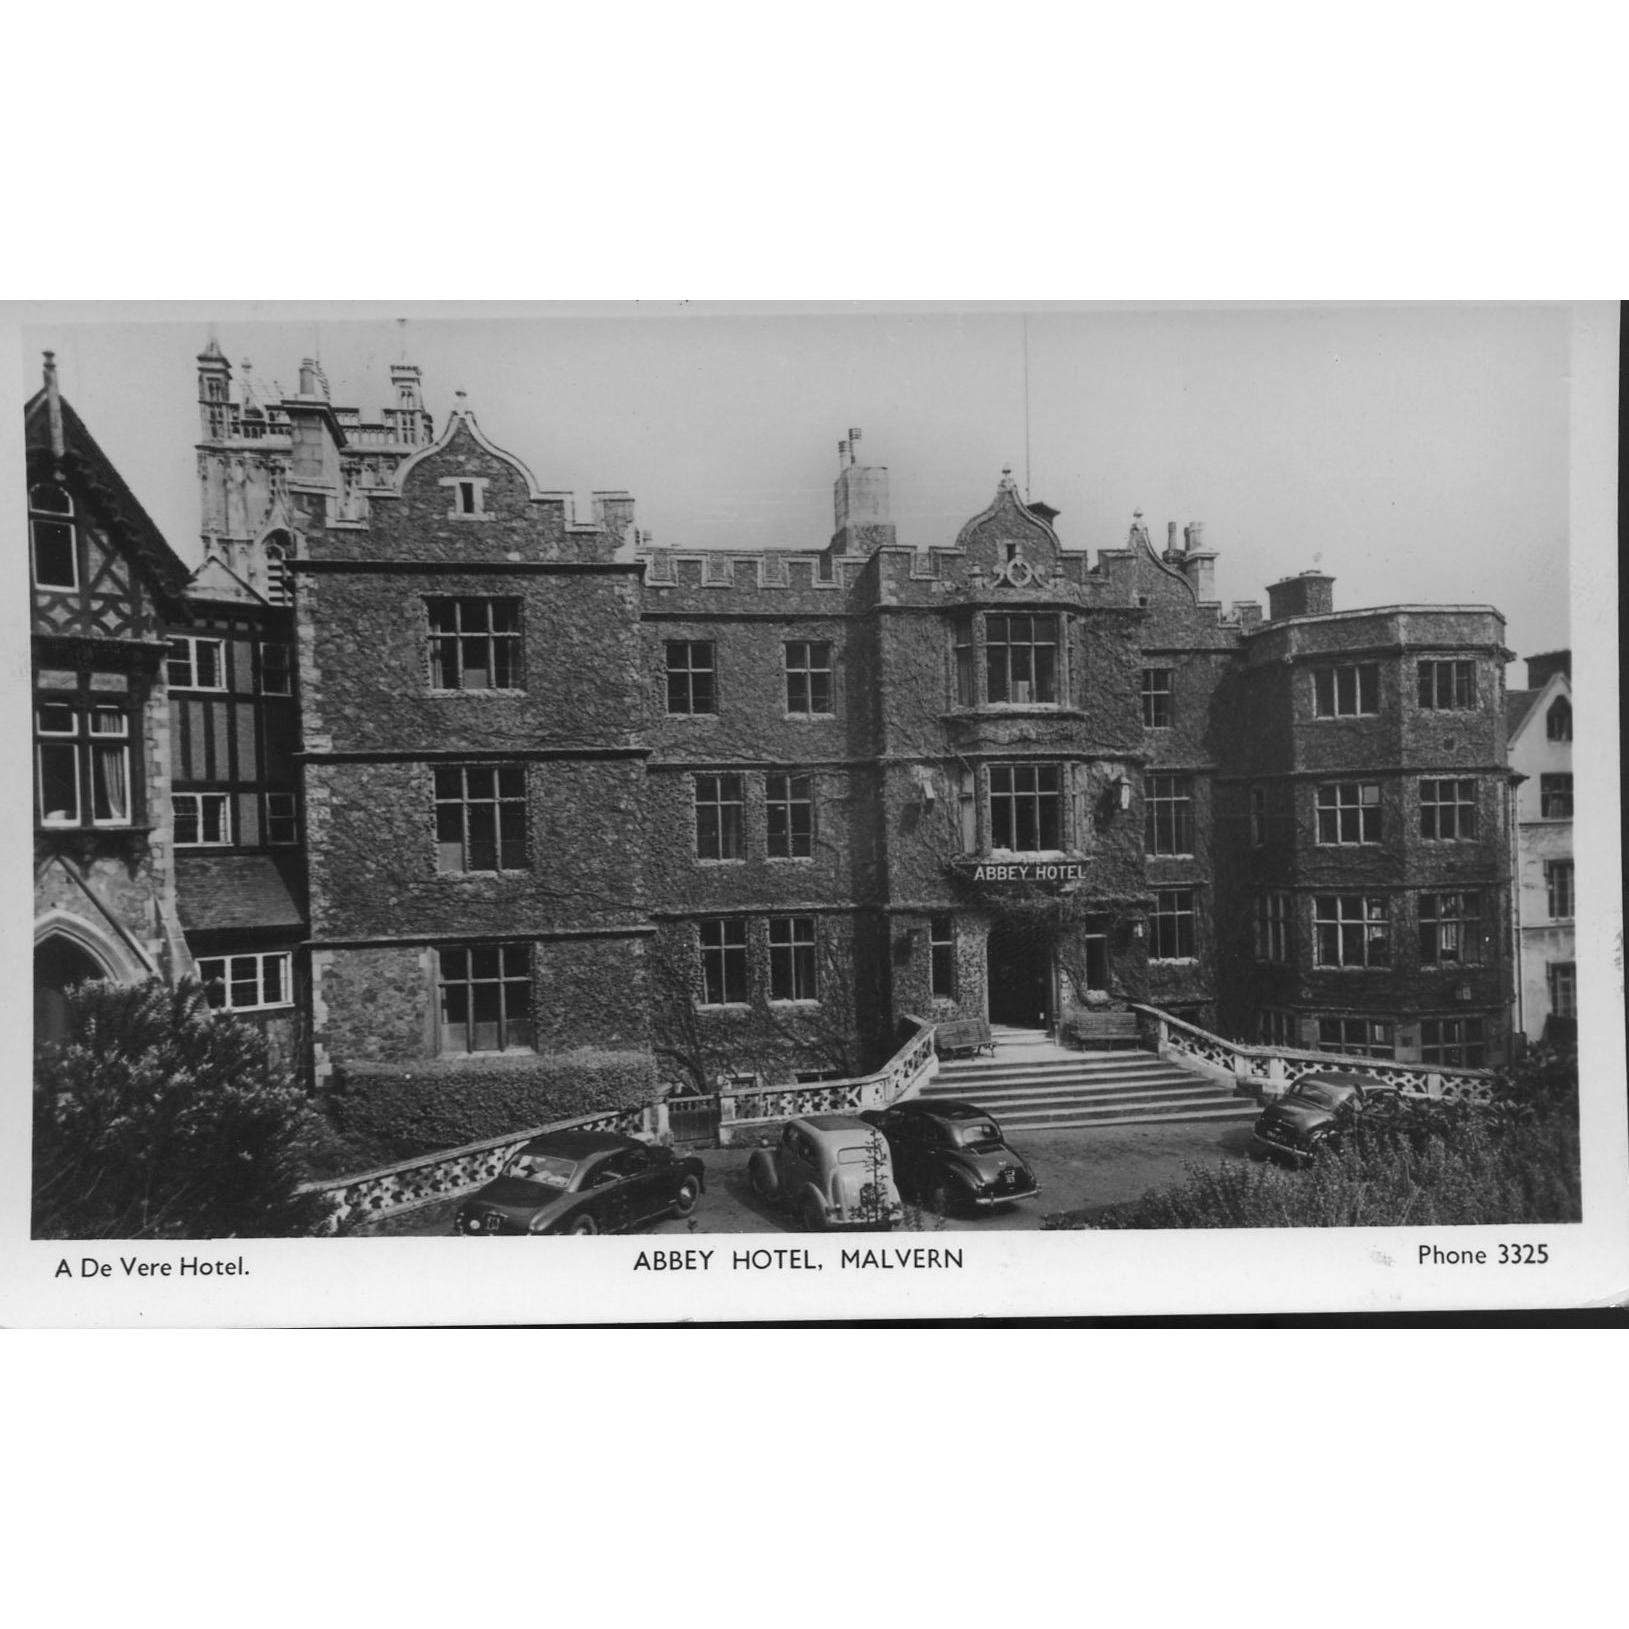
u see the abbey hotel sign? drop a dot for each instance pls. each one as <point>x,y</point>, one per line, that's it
<point>1059,873</point>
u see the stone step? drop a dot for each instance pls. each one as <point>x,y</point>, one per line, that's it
<point>1008,1098</point>
<point>1006,1086</point>
<point>1075,1091</point>
<point>1065,1120</point>
<point>1085,1062</point>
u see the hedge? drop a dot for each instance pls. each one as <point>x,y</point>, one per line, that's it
<point>402,1110</point>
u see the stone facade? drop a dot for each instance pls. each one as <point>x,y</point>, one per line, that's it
<point>763,811</point>
<point>473,705</point>
<point>1366,809</point>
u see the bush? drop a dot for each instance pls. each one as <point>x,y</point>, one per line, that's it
<point>162,1119</point>
<point>400,1111</point>
<point>1432,1164</point>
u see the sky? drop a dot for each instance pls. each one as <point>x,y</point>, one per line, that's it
<point>1419,454</point>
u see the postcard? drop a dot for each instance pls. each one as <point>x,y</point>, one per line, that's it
<point>619,814</point>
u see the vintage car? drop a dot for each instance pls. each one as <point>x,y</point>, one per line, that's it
<point>829,1170</point>
<point>950,1155</point>
<point>583,1182</point>
<point>1317,1112</point>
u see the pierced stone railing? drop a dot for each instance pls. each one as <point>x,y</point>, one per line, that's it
<point>449,1173</point>
<point>754,1108</point>
<point>1270,1071</point>
<point>452,1172</point>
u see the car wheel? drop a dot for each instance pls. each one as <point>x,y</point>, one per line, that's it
<point>942,1197</point>
<point>813,1214</point>
<point>583,1224</point>
<point>758,1176</point>
<point>684,1201</point>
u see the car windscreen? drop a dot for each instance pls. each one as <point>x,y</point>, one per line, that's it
<point>552,1170</point>
<point>976,1133</point>
<point>1312,1091</point>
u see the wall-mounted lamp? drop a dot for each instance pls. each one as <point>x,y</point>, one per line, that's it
<point>1122,793</point>
<point>924,782</point>
<point>1137,930</point>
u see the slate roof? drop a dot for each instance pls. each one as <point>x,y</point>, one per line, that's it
<point>214,891</point>
<point>1518,704</point>
<point>90,466</point>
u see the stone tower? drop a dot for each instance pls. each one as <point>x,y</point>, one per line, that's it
<point>254,445</point>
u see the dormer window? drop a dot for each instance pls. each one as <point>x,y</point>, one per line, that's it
<point>468,494</point>
<point>1558,721</point>
<point>51,531</point>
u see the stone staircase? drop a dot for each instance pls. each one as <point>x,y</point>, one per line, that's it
<point>1032,1084</point>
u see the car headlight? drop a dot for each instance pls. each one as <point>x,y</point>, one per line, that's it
<point>539,1224</point>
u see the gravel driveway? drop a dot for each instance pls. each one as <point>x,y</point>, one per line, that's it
<point>1078,1170</point>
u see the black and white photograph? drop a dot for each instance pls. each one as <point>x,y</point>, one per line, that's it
<point>815,793</point>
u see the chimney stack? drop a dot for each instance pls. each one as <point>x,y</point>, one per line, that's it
<point>1311,594</point>
<point>1539,668</point>
<point>860,502</point>
<point>1197,563</point>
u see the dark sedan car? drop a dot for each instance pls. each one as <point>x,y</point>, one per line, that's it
<point>950,1155</point>
<point>1317,1112</point>
<point>583,1182</point>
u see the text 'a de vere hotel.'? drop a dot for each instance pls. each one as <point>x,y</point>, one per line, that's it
<point>569,816</point>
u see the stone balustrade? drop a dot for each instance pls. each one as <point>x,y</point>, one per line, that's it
<point>754,1108</point>
<point>450,1173</point>
<point>1269,1071</point>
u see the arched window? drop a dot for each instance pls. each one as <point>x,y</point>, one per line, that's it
<point>51,531</point>
<point>1558,721</point>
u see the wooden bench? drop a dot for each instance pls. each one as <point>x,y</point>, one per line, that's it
<point>962,1038</point>
<point>1102,1029</point>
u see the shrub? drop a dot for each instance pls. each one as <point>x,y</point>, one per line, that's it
<point>1433,1164</point>
<point>400,1111</point>
<point>162,1119</point>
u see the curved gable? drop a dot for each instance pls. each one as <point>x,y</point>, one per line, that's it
<point>1008,531</point>
<point>462,449</point>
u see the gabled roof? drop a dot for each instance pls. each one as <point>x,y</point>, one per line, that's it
<point>87,464</point>
<point>1518,704</point>
<point>215,580</point>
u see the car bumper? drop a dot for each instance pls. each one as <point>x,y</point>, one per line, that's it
<point>989,1201</point>
<point>1292,1151</point>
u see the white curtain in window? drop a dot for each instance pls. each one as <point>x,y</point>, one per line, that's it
<point>111,778</point>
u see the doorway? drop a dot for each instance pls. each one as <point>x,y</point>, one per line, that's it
<point>58,964</point>
<point>1020,975</point>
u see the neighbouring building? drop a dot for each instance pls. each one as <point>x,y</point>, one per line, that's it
<point>1540,725</point>
<point>104,588</point>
